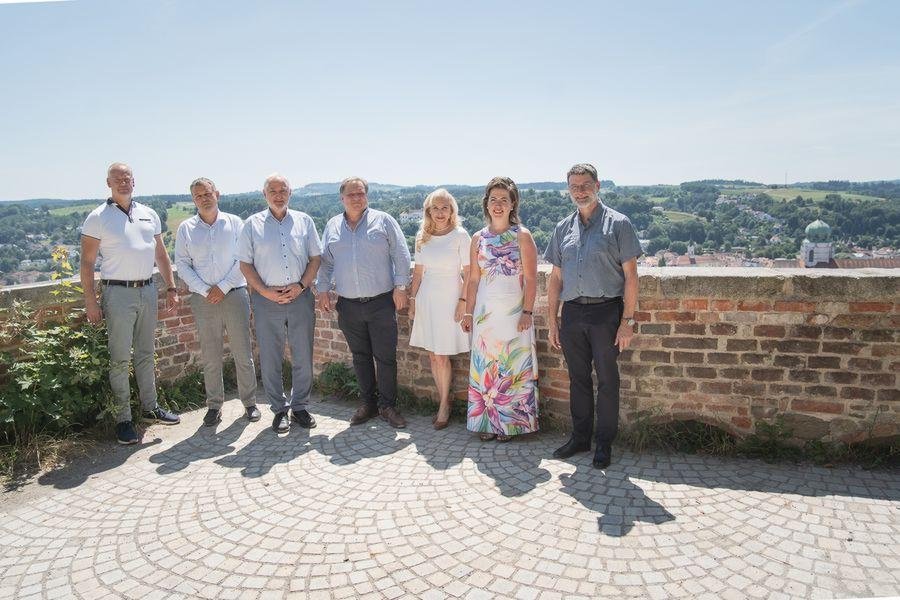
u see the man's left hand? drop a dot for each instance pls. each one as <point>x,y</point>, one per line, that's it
<point>172,300</point>
<point>623,336</point>
<point>400,299</point>
<point>214,295</point>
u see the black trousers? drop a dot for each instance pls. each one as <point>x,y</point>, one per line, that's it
<point>587,334</point>
<point>370,329</point>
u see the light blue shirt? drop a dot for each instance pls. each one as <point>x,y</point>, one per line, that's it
<point>205,254</point>
<point>366,262</point>
<point>279,250</point>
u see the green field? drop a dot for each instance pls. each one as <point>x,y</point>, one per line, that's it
<point>177,213</point>
<point>675,216</point>
<point>75,208</point>
<point>792,192</point>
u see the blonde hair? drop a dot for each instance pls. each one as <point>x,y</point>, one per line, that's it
<point>426,230</point>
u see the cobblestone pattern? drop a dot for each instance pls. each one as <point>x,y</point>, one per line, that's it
<point>370,512</point>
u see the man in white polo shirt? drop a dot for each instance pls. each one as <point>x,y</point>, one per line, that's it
<point>128,237</point>
<point>280,253</point>
<point>205,254</point>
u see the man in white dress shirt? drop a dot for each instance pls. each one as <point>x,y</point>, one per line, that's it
<point>279,251</point>
<point>127,235</point>
<point>206,258</point>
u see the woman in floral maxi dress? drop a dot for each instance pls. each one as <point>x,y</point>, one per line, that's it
<point>503,392</point>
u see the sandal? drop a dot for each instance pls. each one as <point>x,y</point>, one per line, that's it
<point>486,437</point>
<point>502,438</point>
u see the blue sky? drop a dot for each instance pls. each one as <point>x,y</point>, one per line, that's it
<point>454,92</point>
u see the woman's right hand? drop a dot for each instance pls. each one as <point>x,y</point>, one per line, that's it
<point>466,323</point>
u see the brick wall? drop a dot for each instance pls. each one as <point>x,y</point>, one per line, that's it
<point>725,346</point>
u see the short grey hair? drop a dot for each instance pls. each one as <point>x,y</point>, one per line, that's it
<point>276,177</point>
<point>583,169</point>
<point>202,181</point>
<point>118,166</point>
<point>350,180</point>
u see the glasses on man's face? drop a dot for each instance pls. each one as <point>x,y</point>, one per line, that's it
<point>578,189</point>
<point>120,180</point>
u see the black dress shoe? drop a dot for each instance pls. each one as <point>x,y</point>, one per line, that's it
<point>571,448</point>
<point>281,424</point>
<point>252,414</point>
<point>212,417</point>
<point>303,417</point>
<point>602,457</point>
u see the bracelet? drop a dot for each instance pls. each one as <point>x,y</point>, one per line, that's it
<point>467,315</point>
<point>412,297</point>
<point>462,299</point>
<point>302,287</point>
<point>528,312</point>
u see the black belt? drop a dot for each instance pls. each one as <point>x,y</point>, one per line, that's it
<point>127,283</point>
<point>240,287</point>
<point>593,300</point>
<point>365,299</point>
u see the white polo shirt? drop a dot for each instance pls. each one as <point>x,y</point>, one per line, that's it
<point>127,243</point>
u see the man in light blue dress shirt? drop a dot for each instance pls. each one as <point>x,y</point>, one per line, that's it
<point>205,248</point>
<point>364,274</point>
<point>280,253</point>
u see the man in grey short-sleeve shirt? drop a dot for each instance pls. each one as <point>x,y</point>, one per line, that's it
<point>594,255</point>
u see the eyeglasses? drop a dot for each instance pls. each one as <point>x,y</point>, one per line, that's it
<point>587,187</point>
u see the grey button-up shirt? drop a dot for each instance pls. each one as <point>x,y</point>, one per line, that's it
<point>205,254</point>
<point>366,262</point>
<point>590,256</point>
<point>279,250</point>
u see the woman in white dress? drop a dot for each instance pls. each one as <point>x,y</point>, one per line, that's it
<point>438,292</point>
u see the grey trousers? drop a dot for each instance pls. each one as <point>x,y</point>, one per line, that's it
<point>274,324</point>
<point>233,315</point>
<point>131,315</point>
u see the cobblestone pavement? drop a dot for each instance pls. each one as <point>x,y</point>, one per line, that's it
<point>370,512</point>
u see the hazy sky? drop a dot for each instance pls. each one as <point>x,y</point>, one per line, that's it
<point>450,92</point>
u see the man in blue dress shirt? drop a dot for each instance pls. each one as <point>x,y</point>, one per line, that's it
<point>594,255</point>
<point>364,274</point>
<point>279,253</point>
<point>205,254</point>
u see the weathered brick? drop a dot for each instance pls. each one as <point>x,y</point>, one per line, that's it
<point>722,305</point>
<point>690,329</point>
<point>806,332</point>
<point>656,328</point>
<point>837,333</point>
<point>889,395</point>
<point>776,331</point>
<point>750,358</point>
<point>842,347</point>
<point>722,329</point>
<point>857,393</point>
<point>747,388</point>
<point>790,346</point>
<point>767,374</point>
<point>840,377</point>
<point>754,306</point>
<point>790,361</point>
<point>821,390</point>
<point>657,356</point>
<point>784,306</point>
<point>689,357</point>
<point>635,369</point>
<point>735,373</point>
<point>721,358</point>
<point>868,307</point>
<point>824,362</point>
<point>879,379</point>
<point>804,376</point>
<point>715,387</point>
<point>785,389</point>
<point>740,345</point>
<point>695,304</point>
<point>876,335</point>
<point>886,350</point>
<point>855,321</point>
<point>669,315</point>
<point>668,371</point>
<point>642,316</point>
<point>690,343</point>
<point>681,385</point>
<point>803,405</point>
<point>658,304</point>
<point>701,372</point>
<point>741,422</point>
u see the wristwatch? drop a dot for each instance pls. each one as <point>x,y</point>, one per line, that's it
<point>402,288</point>
<point>629,321</point>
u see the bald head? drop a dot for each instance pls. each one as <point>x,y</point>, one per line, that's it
<point>120,180</point>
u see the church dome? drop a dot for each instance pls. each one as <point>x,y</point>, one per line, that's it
<point>818,231</point>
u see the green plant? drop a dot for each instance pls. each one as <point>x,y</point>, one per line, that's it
<point>337,379</point>
<point>185,393</point>
<point>770,442</point>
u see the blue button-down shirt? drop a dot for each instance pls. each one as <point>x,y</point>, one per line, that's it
<point>279,250</point>
<point>590,256</point>
<point>365,262</point>
<point>205,254</point>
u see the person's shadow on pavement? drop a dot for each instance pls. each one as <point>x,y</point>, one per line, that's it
<point>268,449</point>
<point>204,443</point>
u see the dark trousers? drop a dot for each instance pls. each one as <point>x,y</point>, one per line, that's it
<point>371,332</point>
<point>587,334</point>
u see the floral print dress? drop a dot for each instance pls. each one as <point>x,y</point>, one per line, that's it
<point>503,394</point>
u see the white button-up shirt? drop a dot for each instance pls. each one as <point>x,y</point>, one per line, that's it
<point>206,255</point>
<point>279,250</point>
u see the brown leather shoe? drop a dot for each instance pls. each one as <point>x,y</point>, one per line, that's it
<point>394,418</point>
<point>363,414</point>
